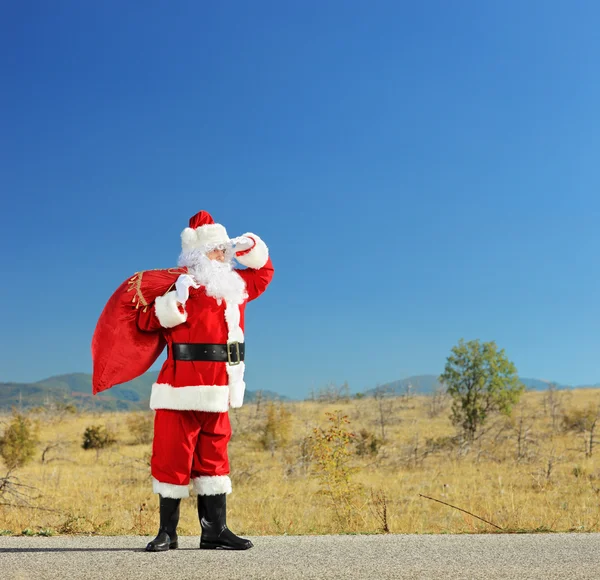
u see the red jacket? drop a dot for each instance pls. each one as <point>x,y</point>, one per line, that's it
<point>204,385</point>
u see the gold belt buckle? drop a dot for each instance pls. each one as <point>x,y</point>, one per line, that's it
<point>237,349</point>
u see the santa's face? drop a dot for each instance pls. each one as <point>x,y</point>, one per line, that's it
<point>214,270</point>
<point>217,254</point>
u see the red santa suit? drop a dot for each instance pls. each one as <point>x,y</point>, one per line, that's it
<point>192,397</point>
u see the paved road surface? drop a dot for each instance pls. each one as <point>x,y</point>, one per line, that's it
<point>536,556</point>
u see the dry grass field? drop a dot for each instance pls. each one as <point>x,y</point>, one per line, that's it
<point>532,472</point>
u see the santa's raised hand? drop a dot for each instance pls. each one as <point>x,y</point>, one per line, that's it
<point>242,243</point>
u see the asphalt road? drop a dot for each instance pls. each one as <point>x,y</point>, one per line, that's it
<point>526,556</point>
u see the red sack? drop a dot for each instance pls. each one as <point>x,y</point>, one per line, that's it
<point>121,352</point>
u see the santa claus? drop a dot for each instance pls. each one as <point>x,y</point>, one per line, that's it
<point>200,318</point>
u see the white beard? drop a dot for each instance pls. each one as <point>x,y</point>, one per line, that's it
<point>219,279</point>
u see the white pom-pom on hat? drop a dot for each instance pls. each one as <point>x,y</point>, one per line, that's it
<point>188,238</point>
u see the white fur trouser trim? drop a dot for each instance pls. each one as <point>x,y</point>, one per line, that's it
<point>212,484</point>
<point>170,490</point>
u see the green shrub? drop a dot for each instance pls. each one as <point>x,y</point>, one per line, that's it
<point>367,443</point>
<point>97,437</point>
<point>18,443</point>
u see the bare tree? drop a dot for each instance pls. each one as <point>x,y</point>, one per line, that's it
<point>585,422</point>
<point>543,477</point>
<point>553,404</point>
<point>385,407</point>
<point>438,402</point>
<point>16,494</point>
<point>331,393</point>
<point>409,392</point>
<point>521,426</point>
<point>57,445</point>
<point>258,399</point>
<point>416,452</point>
<point>591,433</point>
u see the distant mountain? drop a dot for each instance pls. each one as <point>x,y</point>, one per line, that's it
<point>427,384</point>
<point>420,385</point>
<point>540,384</point>
<point>76,388</point>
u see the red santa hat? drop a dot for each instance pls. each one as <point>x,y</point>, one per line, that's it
<point>203,233</point>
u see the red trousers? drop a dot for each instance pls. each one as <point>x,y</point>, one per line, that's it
<point>189,444</point>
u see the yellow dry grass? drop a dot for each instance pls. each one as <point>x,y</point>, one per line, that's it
<point>554,486</point>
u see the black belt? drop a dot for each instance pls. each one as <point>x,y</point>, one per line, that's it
<point>232,352</point>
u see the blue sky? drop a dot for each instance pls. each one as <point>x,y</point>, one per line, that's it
<point>422,172</point>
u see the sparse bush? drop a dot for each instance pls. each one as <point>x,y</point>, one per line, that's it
<point>367,443</point>
<point>331,393</point>
<point>73,524</point>
<point>579,420</point>
<point>97,437</point>
<point>379,506</point>
<point>18,443</point>
<point>442,443</point>
<point>276,430</point>
<point>584,421</point>
<point>55,411</point>
<point>141,426</point>
<point>332,452</point>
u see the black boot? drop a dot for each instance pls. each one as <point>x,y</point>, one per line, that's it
<point>167,532</point>
<point>215,533</point>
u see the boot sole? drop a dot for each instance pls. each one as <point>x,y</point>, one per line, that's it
<point>211,546</point>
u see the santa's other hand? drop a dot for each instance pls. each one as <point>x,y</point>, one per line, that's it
<point>182,287</point>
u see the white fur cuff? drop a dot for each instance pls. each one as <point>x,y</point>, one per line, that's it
<point>212,484</point>
<point>167,312</point>
<point>257,256</point>
<point>236,395</point>
<point>170,490</point>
